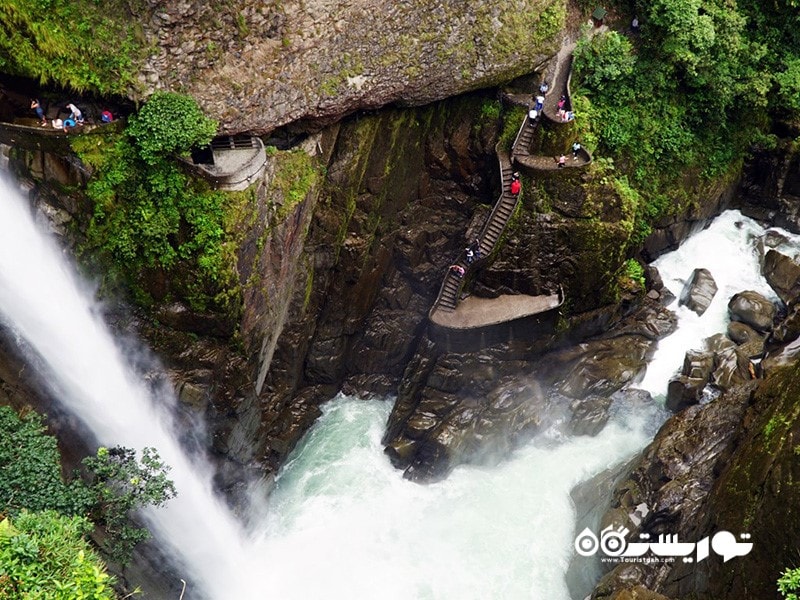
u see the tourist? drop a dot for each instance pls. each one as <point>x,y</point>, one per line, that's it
<point>635,24</point>
<point>562,102</point>
<point>39,111</point>
<point>470,254</point>
<point>516,187</point>
<point>75,114</point>
<point>106,116</point>
<point>576,147</point>
<point>457,270</point>
<point>544,88</point>
<point>539,103</point>
<point>475,246</point>
<point>515,175</point>
<point>566,115</point>
<point>532,116</point>
<point>68,123</point>
<point>562,161</point>
<point>58,124</point>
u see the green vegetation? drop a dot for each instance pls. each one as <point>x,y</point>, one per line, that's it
<point>120,485</point>
<point>150,216</point>
<point>680,105</point>
<point>117,485</point>
<point>634,271</point>
<point>789,584</point>
<point>512,120</point>
<point>86,45</point>
<point>45,555</point>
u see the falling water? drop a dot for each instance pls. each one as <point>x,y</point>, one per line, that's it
<point>51,312</point>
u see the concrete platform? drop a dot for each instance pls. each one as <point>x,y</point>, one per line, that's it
<point>474,312</point>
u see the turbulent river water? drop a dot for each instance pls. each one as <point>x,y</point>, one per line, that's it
<point>341,523</point>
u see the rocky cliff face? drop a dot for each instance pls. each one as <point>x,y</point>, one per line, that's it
<point>255,66</point>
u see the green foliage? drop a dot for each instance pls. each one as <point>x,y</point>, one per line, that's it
<point>295,175</point>
<point>789,85</point>
<point>74,43</point>
<point>605,60</point>
<point>121,485</point>
<point>789,584</point>
<point>169,123</point>
<point>148,214</point>
<point>30,480</point>
<point>30,470</point>
<point>511,123</point>
<point>44,555</point>
<point>633,270</point>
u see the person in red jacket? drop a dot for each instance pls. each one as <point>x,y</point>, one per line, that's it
<point>516,187</point>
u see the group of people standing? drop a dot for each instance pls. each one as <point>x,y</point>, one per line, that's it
<point>75,118</point>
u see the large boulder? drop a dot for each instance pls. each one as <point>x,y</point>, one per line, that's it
<point>687,388</point>
<point>783,275</point>
<point>699,291</point>
<point>753,309</point>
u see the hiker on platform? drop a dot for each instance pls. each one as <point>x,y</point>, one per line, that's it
<point>532,116</point>
<point>75,114</point>
<point>562,102</point>
<point>544,88</point>
<point>39,111</point>
<point>562,161</point>
<point>576,147</point>
<point>539,103</point>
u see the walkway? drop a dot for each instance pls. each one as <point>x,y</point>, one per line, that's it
<point>449,310</point>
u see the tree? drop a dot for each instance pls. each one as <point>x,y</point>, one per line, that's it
<point>120,486</point>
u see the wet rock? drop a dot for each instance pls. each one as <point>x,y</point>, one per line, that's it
<point>684,391</point>
<point>699,291</point>
<point>783,275</point>
<point>788,329</point>
<point>753,309</point>
<point>605,366</point>
<point>742,333</point>
<point>687,388</point>
<point>732,367</point>
<point>672,478</point>
<point>655,286</point>
<point>178,316</point>
<point>589,415</point>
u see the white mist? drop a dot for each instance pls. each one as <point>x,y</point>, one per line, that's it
<point>43,303</point>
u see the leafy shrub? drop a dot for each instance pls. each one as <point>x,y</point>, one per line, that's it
<point>169,123</point>
<point>45,555</point>
<point>30,470</point>
<point>789,584</point>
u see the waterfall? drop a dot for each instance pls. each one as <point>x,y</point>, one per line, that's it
<point>53,314</point>
<point>342,523</point>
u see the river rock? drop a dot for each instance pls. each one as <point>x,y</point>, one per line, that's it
<point>589,415</point>
<point>699,291</point>
<point>753,309</point>
<point>733,367</point>
<point>783,275</point>
<point>788,329</point>
<point>741,333</point>
<point>606,365</point>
